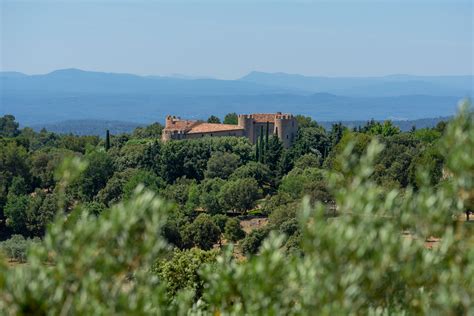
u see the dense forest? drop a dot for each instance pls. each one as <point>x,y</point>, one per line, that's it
<point>368,219</point>
<point>96,127</point>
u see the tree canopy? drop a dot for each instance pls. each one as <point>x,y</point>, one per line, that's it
<point>213,119</point>
<point>231,118</point>
<point>373,222</point>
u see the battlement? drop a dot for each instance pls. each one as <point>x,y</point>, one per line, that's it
<point>176,123</point>
<point>266,117</point>
<point>173,118</point>
<point>284,116</point>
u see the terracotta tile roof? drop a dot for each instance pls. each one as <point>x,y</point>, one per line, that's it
<point>213,127</point>
<point>181,125</point>
<point>263,117</point>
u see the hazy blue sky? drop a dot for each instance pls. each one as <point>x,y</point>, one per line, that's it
<point>228,39</point>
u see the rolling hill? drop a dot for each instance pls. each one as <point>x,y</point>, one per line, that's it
<point>393,85</point>
<point>73,94</point>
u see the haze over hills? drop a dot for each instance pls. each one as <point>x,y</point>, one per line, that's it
<point>79,81</point>
<point>392,85</point>
<point>73,94</point>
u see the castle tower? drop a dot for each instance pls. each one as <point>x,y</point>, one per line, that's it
<point>246,122</point>
<point>165,135</point>
<point>286,128</point>
<point>169,120</point>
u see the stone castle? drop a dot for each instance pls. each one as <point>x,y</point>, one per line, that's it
<point>249,125</point>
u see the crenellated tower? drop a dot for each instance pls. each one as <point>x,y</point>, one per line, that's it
<point>247,122</point>
<point>286,128</point>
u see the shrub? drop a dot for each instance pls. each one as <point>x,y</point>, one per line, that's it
<point>16,247</point>
<point>94,208</point>
<point>114,189</point>
<point>95,265</point>
<point>310,181</point>
<point>146,178</point>
<point>179,191</point>
<point>202,233</point>
<point>277,200</point>
<point>16,213</point>
<point>221,165</point>
<point>308,161</point>
<point>233,231</point>
<point>256,170</point>
<point>289,227</point>
<point>96,175</point>
<point>252,242</point>
<point>209,195</point>
<point>239,194</point>
<point>220,220</point>
<point>181,271</point>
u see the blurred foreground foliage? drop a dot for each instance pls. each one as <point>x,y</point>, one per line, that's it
<point>372,259</point>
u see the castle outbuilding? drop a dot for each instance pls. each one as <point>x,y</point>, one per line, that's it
<point>280,124</point>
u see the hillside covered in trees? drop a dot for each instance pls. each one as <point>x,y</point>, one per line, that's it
<point>97,127</point>
<point>128,224</point>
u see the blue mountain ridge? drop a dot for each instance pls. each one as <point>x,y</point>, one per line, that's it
<point>73,94</point>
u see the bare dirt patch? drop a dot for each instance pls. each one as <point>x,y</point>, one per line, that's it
<point>249,225</point>
<point>12,264</point>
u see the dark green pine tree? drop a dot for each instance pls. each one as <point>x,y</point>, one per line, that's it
<point>274,152</point>
<point>336,133</point>
<point>266,136</point>
<point>262,146</point>
<point>107,140</point>
<point>257,152</point>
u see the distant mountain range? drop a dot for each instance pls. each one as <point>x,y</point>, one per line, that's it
<point>393,85</point>
<point>73,94</point>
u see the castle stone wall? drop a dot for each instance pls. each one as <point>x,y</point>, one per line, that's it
<point>237,133</point>
<point>284,126</point>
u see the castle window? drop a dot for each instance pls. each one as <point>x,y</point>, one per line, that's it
<point>286,136</point>
<point>292,123</point>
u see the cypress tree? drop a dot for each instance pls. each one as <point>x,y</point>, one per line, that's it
<point>274,153</point>
<point>257,152</point>
<point>262,145</point>
<point>266,136</point>
<point>107,140</point>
